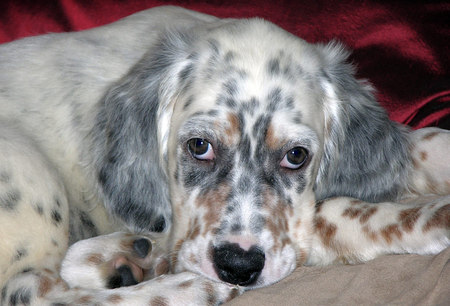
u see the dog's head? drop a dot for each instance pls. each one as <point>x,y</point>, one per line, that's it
<point>242,126</point>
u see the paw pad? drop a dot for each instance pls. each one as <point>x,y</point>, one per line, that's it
<point>142,247</point>
<point>123,277</point>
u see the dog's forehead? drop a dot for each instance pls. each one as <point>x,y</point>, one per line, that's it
<point>251,76</point>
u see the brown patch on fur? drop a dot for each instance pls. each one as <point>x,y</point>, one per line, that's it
<point>430,136</point>
<point>193,259</point>
<point>162,267</point>
<point>432,186</point>
<point>176,249</point>
<point>440,218</point>
<point>302,256</point>
<point>285,241</point>
<point>84,299</point>
<point>194,229</point>
<point>186,284</point>
<point>352,213</point>
<point>356,202</point>
<point>415,163</point>
<point>271,141</point>
<point>423,156</point>
<point>370,233</point>
<point>233,293</point>
<point>363,212</point>
<point>213,202</point>
<point>62,284</point>
<point>45,285</point>
<point>159,301</point>
<point>126,244</point>
<point>390,231</point>
<point>326,230</point>
<point>274,227</point>
<point>211,296</point>
<point>277,222</point>
<point>95,259</point>
<point>408,218</point>
<point>232,132</point>
<point>114,299</point>
<point>319,206</point>
<point>369,212</point>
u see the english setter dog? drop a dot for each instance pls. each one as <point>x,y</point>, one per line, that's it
<point>227,152</point>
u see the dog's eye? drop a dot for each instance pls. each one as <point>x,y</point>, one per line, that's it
<point>295,158</point>
<point>201,149</point>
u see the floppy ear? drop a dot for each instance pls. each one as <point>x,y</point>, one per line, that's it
<point>129,159</point>
<point>366,155</point>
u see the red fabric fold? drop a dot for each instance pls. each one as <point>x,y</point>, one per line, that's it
<point>400,46</point>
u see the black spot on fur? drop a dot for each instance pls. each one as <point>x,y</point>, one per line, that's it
<point>188,103</point>
<point>87,223</point>
<point>56,217</point>
<point>230,87</point>
<point>21,296</point>
<point>250,106</point>
<point>260,128</point>
<point>301,184</point>
<point>213,113</point>
<point>26,270</point>
<point>5,177</point>
<point>4,291</point>
<point>229,56</point>
<point>230,208</point>
<point>257,224</point>
<point>273,66</point>
<point>10,199</point>
<point>38,208</point>
<point>58,202</point>
<point>20,254</point>
<point>236,228</point>
<point>214,45</point>
<point>224,99</point>
<point>186,73</point>
<point>275,99</point>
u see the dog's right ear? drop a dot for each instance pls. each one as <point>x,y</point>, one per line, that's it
<point>129,138</point>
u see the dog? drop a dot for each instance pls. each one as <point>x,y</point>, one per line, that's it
<point>227,152</point>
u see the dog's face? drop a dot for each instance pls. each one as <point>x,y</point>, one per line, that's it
<point>231,133</point>
<point>243,152</point>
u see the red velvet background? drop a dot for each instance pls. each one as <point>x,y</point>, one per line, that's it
<point>402,47</point>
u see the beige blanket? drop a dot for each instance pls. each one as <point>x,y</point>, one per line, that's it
<point>388,280</point>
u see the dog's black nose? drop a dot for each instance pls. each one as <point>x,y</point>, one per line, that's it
<point>237,266</point>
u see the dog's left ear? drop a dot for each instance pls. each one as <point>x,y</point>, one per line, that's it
<point>130,137</point>
<point>366,155</point>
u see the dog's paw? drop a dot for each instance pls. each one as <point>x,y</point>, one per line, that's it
<point>112,261</point>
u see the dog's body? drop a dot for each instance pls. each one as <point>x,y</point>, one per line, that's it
<point>232,137</point>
